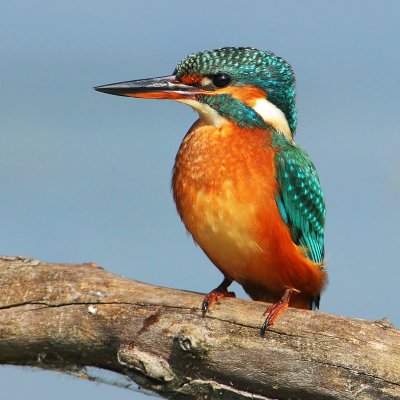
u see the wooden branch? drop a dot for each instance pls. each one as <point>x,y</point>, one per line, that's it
<point>61,316</point>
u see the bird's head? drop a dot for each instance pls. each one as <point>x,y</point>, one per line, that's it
<point>244,85</point>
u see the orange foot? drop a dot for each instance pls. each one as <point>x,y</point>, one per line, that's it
<point>216,294</point>
<point>275,309</point>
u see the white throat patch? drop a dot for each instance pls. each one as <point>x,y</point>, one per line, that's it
<point>206,113</point>
<point>273,116</point>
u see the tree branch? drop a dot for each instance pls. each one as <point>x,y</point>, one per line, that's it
<point>61,316</point>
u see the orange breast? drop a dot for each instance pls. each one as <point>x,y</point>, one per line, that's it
<point>224,187</point>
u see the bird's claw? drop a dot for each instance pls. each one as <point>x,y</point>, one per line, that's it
<point>273,311</point>
<point>214,296</point>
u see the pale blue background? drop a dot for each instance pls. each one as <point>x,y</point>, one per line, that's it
<point>86,176</point>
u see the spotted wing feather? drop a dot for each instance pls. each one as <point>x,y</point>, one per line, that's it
<point>300,200</point>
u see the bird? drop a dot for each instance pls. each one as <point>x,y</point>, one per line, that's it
<point>246,192</point>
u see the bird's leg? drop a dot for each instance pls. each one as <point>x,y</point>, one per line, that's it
<point>216,294</point>
<point>275,309</point>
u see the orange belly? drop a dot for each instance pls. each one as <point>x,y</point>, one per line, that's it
<point>224,187</point>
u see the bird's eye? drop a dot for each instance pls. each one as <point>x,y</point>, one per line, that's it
<point>221,80</point>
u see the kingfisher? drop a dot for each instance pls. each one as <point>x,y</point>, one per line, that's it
<point>247,193</point>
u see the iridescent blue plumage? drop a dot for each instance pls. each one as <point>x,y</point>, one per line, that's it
<point>300,201</point>
<point>246,66</point>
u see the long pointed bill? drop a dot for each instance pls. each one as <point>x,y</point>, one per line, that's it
<point>164,87</point>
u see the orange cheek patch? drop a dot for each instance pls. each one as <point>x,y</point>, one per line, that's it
<point>245,94</point>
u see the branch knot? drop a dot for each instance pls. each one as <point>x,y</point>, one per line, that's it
<point>148,364</point>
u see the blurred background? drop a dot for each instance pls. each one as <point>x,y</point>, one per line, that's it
<point>86,176</point>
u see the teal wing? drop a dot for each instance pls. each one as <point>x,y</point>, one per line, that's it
<point>300,200</point>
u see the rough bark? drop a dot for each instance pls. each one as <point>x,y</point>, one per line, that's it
<point>62,316</point>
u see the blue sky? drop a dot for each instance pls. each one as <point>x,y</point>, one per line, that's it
<point>86,177</point>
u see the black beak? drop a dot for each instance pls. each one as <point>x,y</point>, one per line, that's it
<point>164,87</point>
